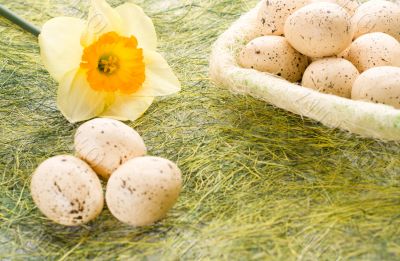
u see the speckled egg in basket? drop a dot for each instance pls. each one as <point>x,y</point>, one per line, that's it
<point>380,121</point>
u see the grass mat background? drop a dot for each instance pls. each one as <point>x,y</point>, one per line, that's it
<point>259,182</point>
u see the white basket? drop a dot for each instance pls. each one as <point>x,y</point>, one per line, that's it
<point>363,118</point>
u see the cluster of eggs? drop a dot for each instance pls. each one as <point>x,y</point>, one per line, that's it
<point>337,47</point>
<point>140,189</point>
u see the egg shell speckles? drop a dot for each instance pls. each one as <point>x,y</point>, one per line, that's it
<point>319,30</point>
<point>378,85</point>
<point>377,16</point>
<point>273,54</point>
<point>67,190</point>
<point>345,53</point>
<point>273,13</point>
<point>349,5</point>
<point>142,190</point>
<point>331,75</point>
<point>374,49</point>
<point>105,144</point>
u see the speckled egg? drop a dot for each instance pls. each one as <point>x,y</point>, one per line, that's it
<point>273,13</point>
<point>374,49</point>
<point>349,5</point>
<point>378,85</point>
<point>319,30</point>
<point>67,190</point>
<point>331,75</point>
<point>273,54</point>
<point>377,16</point>
<point>106,144</point>
<point>142,190</point>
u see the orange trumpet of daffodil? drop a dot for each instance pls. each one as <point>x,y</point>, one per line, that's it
<point>106,66</point>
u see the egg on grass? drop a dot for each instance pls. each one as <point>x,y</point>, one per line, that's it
<point>142,190</point>
<point>67,190</point>
<point>105,144</point>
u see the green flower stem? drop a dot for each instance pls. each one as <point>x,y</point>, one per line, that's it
<point>19,21</point>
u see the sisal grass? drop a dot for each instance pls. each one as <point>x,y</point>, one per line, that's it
<point>259,183</point>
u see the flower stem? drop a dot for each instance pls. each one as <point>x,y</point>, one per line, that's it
<point>19,21</point>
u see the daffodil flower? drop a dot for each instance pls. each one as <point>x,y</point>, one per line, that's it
<point>106,66</point>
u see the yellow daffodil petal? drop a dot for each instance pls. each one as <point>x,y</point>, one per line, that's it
<point>160,79</point>
<point>102,19</point>
<point>137,23</point>
<point>60,47</point>
<point>76,100</point>
<point>127,107</point>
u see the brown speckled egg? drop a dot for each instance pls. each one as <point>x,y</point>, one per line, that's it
<point>349,5</point>
<point>377,16</point>
<point>319,30</point>
<point>374,49</point>
<point>142,190</point>
<point>67,190</point>
<point>106,144</point>
<point>331,75</point>
<point>378,85</point>
<point>273,54</point>
<point>273,13</point>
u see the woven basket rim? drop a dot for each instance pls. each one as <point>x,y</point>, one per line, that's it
<point>359,117</point>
